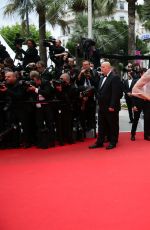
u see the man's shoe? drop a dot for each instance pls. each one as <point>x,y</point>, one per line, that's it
<point>132,138</point>
<point>95,146</point>
<point>147,138</point>
<point>111,146</point>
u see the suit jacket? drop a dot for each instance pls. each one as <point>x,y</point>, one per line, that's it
<point>127,89</point>
<point>110,93</point>
<point>45,89</point>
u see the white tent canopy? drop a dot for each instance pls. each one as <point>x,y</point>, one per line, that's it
<point>8,49</point>
<point>12,53</point>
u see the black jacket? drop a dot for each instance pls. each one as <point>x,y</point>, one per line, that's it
<point>110,93</point>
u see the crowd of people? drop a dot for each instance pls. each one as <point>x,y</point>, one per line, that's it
<point>45,106</point>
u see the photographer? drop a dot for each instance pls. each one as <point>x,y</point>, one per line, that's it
<point>13,95</point>
<point>44,72</point>
<point>56,52</point>
<point>67,108</point>
<point>9,64</point>
<point>42,92</point>
<point>71,69</point>
<point>31,54</point>
<point>3,53</point>
<point>85,81</point>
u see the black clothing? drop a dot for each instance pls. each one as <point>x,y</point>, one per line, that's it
<point>65,111</point>
<point>30,55</point>
<point>59,62</point>
<point>128,89</point>
<point>13,113</point>
<point>46,75</point>
<point>142,106</point>
<point>3,53</point>
<point>44,114</point>
<point>87,108</point>
<point>109,95</point>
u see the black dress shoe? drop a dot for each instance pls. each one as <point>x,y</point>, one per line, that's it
<point>147,138</point>
<point>111,146</point>
<point>132,138</point>
<point>95,146</point>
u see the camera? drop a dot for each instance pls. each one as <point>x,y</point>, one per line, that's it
<point>26,84</point>
<point>57,82</point>
<point>18,40</point>
<point>87,72</point>
<point>88,92</point>
<point>49,40</point>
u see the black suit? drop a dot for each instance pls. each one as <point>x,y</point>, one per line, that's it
<point>44,111</point>
<point>128,89</point>
<point>88,109</point>
<point>109,94</point>
<point>141,105</point>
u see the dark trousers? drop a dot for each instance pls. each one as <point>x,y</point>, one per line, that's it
<point>28,124</point>
<point>108,125</point>
<point>146,110</point>
<point>64,124</point>
<point>44,119</point>
<point>135,121</point>
<point>129,105</point>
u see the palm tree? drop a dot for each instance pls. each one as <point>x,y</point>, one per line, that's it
<point>144,13</point>
<point>101,8</point>
<point>46,10</point>
<point>109,36</point>
<point>131,28</point>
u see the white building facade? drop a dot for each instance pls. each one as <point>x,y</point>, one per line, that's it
<point>119,14</point>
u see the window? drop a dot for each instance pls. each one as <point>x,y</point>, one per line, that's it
<point>122,18</point>
<point>121,5</point>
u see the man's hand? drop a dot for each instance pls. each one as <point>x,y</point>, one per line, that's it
<point>111,109</point>
<point>129,94</point>
<point>31,88</point>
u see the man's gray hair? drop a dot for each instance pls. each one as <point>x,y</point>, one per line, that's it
<point>66,75</point>
<point>35,74</point>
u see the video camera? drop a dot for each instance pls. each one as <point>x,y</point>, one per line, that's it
<point>18,40</point>
<point>49,40</point>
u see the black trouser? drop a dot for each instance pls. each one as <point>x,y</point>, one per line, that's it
<point>108,125</point>
<point>28,124</point>
<point>135,121</point>
<point>64,124</point>
<point>146,111</point>
<point>44,119</point>
<point>129,105</point>
<point>87,116</point>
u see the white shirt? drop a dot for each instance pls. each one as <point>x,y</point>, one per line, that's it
<point>129,82</point>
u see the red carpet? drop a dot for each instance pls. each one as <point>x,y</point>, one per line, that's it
<point>74,188</point>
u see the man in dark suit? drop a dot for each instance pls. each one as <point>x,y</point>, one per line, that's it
<point>42,92</point>
<point>109,94</point>
<point>127,88</point>
<point>85,81</point>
